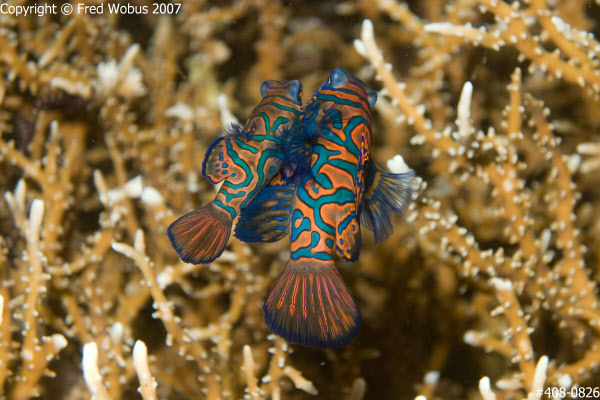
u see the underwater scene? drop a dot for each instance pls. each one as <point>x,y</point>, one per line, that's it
<point>266,199</point>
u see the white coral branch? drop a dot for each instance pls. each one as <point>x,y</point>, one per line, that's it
<point>539,378</point>
<point>475,35</point>
<point>397,165</point>
<point>227,118</point>
<point>140,362</point>
<point>485,389</point>
<point>121,79</point>
<point>299,381</point>
<point>463,112</point>
<point>91,373</point>
<point>251,383</point>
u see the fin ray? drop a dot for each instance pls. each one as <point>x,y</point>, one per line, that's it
<point>200,236</point>
<point>266,217</point>
<point>310,305</point>
<point>386,193</point>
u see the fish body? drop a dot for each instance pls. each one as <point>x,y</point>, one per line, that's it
<point>310,303</point>
<point>338,188</point>
<point>245,160</point>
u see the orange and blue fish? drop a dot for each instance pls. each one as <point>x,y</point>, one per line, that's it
<point>311,177</point>
<point>338,187</point>
<point>246,160</point>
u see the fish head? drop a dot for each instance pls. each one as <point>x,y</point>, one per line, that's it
<point>340,78</point>
<point>290,89</point>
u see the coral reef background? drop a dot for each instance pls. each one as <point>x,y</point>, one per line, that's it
<point>104,122</point>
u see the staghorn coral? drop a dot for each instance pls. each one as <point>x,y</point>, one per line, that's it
<point>104,121</point>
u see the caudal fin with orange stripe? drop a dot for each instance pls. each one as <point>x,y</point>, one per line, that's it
<point>310,305</point>
<point>200,236</point>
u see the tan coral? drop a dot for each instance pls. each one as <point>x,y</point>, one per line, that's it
<point>493,103</point>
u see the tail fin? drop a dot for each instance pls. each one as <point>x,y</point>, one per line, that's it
<point>200,236</point>
<point>386,193</point>
<point>310,305</point>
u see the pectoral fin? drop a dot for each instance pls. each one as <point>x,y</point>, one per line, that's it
<point>267,217</point>
<point>386,193</point>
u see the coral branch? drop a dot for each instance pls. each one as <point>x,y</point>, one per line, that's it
<point>35,357</point>
<point>140,363</point>
<point>91,373</point>
<point>572,266</point>
<point>474,35</point>
<point>251,384</point>
<point>493,103</point>
<point>485,389</point>
<point>509,306</point>
<point>187,347</point>
<point>5,339</point>
<point>517,34</point>
<point>414,114</point>
<point>539,378</point>
<point>299,381</point>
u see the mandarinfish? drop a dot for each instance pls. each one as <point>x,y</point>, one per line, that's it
<point>246,160</point>
<point>342,187</point>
